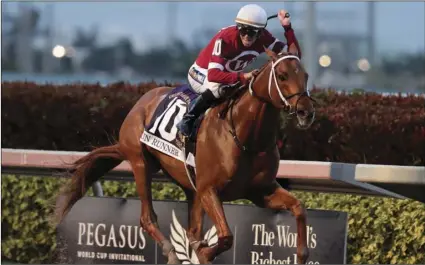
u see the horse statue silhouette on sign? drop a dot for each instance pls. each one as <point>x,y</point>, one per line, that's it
<point>235,155</point>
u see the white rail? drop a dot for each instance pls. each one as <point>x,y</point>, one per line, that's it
<point>297,175</point>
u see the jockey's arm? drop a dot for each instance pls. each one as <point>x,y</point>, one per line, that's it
<point>216,65</point>
<point>277,46</point>
<point>292,39</point>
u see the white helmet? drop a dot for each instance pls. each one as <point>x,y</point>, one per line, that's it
<point>252,15</point>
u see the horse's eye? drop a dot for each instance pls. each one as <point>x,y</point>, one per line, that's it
<point>283,76</point>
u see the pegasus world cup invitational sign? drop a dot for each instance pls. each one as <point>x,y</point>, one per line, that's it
<point>107,230</point>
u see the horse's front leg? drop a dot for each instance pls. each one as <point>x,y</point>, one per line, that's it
<point>277,198</point>
<point>214,208</point>
<point>196,218</point>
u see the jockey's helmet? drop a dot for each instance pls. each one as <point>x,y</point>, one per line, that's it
<point>252,15</point>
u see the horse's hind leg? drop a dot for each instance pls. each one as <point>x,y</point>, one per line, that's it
<point>148,218</point>
<point>277,198</point>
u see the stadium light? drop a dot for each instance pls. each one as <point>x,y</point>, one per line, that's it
<point>59,51</point>
<point>325,60</point>
<point>363,65</point>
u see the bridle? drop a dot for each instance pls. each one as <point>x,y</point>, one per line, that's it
<point>284,99</point>
<point>272,77</point>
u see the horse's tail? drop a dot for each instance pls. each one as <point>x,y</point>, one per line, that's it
<point>84,172</point>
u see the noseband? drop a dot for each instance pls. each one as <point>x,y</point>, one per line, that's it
<point>272,76</point>
<point>252,92</point>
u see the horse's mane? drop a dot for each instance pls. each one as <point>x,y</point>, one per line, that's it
<point>264,66</point>
<point>236,95</point>
<point>241,90</point>
<point>281,54</point>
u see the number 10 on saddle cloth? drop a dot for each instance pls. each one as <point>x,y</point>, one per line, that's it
<point>161,133</point>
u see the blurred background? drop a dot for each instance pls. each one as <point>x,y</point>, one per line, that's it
<point>375,46</point>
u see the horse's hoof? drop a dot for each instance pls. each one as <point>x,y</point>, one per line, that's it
<point>199,244</point>
<point>173,259</point>
<point>302,256</point>
<point>206,254</point>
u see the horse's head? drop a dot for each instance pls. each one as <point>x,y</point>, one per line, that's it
<point>283,83</point>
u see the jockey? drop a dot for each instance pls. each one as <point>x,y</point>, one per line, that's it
<point>231,50</point>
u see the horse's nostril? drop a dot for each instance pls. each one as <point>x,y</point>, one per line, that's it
<point>302,113</point>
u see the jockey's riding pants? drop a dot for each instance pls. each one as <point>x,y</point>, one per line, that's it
<point>198,80</point>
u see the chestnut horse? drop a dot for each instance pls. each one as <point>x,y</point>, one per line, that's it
<point>241,164</point>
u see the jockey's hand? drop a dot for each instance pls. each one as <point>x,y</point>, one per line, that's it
<point>284,17</point>
<point>251,74</point>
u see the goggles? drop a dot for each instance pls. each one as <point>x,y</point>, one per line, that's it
<point>248,30</point>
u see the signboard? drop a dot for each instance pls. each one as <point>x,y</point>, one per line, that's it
<point>106,230</point>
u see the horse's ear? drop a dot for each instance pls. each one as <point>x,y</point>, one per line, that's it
<point>292,49</point>
<point>270,53</point>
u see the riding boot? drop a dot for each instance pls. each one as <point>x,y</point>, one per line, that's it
<point>196,108</point>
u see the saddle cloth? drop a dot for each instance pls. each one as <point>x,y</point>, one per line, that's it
<point>161,134</point>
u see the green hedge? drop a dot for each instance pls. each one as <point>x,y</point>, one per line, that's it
<point>381,230</point>
<point>360,128</point>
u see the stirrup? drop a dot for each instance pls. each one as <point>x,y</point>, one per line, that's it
<point>183,138</point>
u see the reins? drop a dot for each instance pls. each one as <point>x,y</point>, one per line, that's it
<point>232,101</point>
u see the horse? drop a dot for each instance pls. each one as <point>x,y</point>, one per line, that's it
<point>236,157</point>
